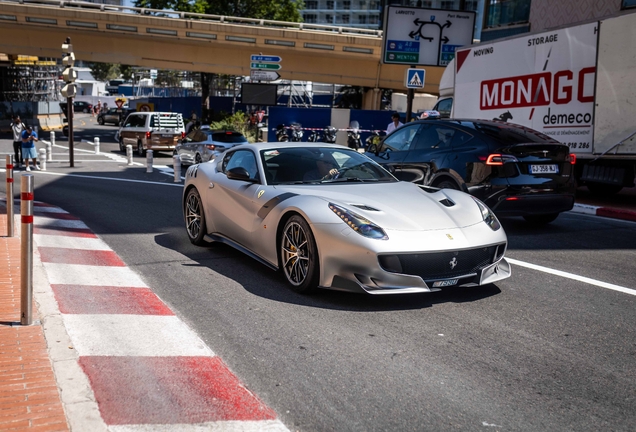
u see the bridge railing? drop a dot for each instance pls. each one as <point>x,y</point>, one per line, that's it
<point>160,13</point>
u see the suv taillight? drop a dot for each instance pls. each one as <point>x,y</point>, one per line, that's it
<point>500,159</point>
<point>148,135</point>
<point>571,158</point>
<point>182,135</point>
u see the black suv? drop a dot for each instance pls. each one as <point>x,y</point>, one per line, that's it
<point>515,170</point>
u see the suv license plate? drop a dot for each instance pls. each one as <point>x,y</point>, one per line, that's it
<point>544,169</point>
<point>167,136</point>
<point>444,283</point>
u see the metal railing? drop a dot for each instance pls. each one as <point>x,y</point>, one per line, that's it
<point>219,19</point>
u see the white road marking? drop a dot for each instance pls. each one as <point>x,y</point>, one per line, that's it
<point>133,335</point>
<point>573,277</point>
<point>81,274</point>
<point>218,426</point>
<point>68,242</point>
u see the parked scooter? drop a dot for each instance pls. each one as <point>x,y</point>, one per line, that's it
<point>353,135</point>
<point>314,136</point>
<point>296,132</point>
<point>372,140</point>
<point>281,133</point>
<point>329,134</point>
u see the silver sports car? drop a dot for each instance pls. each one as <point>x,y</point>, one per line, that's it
<point>330,217</point>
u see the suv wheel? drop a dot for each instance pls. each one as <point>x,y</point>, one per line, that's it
<point>122,147</point>
<point>140,149</point>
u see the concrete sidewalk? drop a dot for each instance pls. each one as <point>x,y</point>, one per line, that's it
<point>29,395</point>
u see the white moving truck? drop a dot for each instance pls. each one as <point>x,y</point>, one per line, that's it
<point>575,84</point>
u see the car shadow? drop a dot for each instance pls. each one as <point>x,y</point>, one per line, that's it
<point>264,282</point>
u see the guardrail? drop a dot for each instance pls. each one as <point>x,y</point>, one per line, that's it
<point>219,19</point>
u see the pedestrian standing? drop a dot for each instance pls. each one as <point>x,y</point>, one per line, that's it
<point>17,127</point>
<point>29,137</point>
<point>395,123</point>
<point>98,108</point>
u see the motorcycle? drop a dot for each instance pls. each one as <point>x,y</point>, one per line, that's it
<point>281,134</point>
<point>353,135</point>
<point>329,134</point>
<point>314,136</point>
<point>296,132</point>
<point>372,140</point>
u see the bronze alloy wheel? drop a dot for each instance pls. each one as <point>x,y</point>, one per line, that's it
<point>299,257</point>
<point>194,220</point>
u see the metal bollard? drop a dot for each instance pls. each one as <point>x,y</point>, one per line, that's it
<point>129,154</point>
<point>176,163</point>
<point>43,159</point>
<point>49,148</point>
<point>10,211</point>
<point>26,250</point>
<point>148,161</point>
<point>96,145</point>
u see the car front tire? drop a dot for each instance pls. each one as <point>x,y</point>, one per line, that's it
<point>140,149</point>
<point>299,255</point>
<point>100,120</point>
<point>194,217</point>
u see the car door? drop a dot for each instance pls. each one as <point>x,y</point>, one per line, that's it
<point>429,153</point>
<point>186,150</point>
<point>236,218</point>
<point>132,129</point>
<point>394,148</point>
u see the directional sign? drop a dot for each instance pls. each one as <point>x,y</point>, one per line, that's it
<point>270,66</point>
<point>264,75</point>
<point>414,78</point>
<point>265,58</point>
<point>425,37</point>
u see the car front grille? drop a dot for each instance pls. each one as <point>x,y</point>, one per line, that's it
<point>443,265</point>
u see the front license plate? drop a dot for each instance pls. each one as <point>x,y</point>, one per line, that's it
<point>544,169</point>
<point>445,283</point>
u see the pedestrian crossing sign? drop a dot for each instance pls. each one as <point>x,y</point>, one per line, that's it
<point>415,78</point>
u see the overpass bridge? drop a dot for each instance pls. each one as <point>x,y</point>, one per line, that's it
<point>201,43</point>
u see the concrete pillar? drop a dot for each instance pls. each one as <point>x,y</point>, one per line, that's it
<point>372,99</point>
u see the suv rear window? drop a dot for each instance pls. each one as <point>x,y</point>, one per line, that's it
<point>168,120</point>
<point>228,137</point>
<point>512,134</point>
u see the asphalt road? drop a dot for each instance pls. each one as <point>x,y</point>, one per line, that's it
<point>538,351</point>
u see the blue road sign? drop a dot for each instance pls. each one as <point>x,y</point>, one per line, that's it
<point>414,78</point>
<point>265,58</point>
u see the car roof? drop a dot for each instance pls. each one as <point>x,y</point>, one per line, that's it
<point>259,146</point>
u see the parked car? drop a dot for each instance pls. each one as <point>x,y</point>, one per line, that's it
<point>115,116</point>
<point>203,145</point>
<point>328,217</point>
<point>515,170</point>
<point>157,131</point>
<point>78,106</point>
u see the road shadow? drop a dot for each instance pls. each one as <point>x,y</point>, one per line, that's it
<point>264,282</point>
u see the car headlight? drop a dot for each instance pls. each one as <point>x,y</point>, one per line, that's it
<point>487,214</point>
<point>358,223</point>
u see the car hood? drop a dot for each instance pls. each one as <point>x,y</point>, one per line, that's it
<point>401,206</point>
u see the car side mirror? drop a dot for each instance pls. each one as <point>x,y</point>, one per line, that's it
<point>240,173</point>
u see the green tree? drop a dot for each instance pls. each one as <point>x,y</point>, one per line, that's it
<point>126,72</point>
<point>103,71</point>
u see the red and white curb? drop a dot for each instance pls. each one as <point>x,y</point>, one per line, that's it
<point>124,362</point>
<point>608,212</point>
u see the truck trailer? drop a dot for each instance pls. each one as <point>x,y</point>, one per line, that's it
<point>576,84</point>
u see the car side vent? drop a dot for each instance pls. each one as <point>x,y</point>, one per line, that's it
<point>365,207</point>
<point>447,202</point>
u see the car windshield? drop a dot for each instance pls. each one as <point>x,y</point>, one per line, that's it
<point>228,137</point>
<point>320,165</point>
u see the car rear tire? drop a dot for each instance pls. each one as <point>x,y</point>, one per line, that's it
<point>197,159</point>
<point>194,218</point>
<point>140,149</point>
<point>446,184</point>
<point>299,255</point>
<point>542,219</point>
<point>100,120</point>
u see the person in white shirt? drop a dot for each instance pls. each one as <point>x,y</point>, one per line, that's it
<point>396,123</point>
<point>17,127</point>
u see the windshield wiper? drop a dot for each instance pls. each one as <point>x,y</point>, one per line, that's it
<point>300,182</point>
<point>350,179</point>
